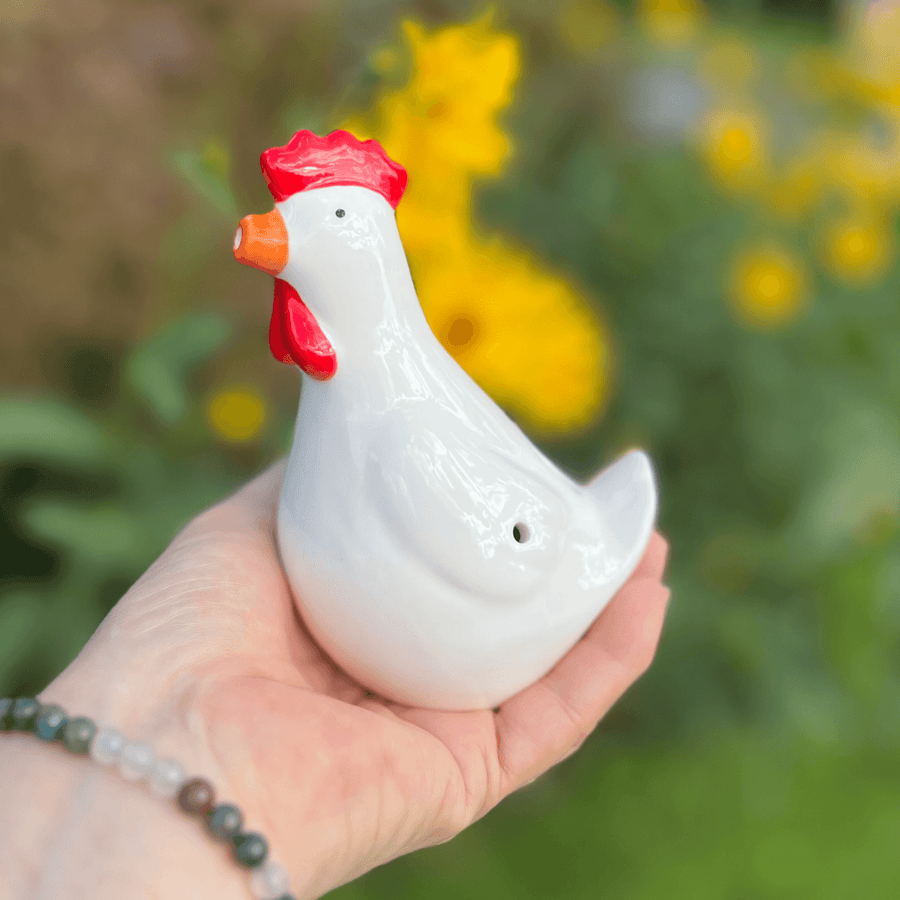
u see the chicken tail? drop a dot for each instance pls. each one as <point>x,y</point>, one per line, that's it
<point>626,494</point>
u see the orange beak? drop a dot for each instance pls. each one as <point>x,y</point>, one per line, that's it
<point>262,242</point>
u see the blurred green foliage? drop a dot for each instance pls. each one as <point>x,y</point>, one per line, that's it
<point>759,756</point>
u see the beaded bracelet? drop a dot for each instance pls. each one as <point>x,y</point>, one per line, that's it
<point>138,762</point>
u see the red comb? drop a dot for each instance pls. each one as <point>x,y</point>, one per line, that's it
<point>308,161</point>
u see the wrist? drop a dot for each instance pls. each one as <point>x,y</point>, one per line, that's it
<point>78,829</point>
<point>83,830</point>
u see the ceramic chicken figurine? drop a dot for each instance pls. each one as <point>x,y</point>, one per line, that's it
<point>434,552</point>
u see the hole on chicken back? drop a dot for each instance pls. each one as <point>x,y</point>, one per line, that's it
<point>521,532</point>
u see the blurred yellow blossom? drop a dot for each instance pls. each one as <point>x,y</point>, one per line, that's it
<point>670,22</point>
<point>735,147</point>
<point>858,249</point>
<point>237,414</point>
<point>588,25</point>
<point>469,65</point>
<point>768,287</point>
<point>526,336</point>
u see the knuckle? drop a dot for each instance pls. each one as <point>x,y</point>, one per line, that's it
<point>573,717</point>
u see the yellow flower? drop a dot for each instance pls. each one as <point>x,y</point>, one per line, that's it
<point>433,232</point>
<point>442,133</point>
<point>857,250</point>
<point>237,414</point>
<point>444,117</point>
<point>768,287</point>
<point>734,145</point>
<point>526,336</point>
<point>472,65</point>
<point>670,22</point>
<point>589,25</point>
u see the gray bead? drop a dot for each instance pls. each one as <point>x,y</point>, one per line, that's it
<point>136,761</point>
<point>106,748</point>
<point>166,778</point>
<point>269,881</point>
<point>78,734</point>
<point>224,821</point>
<point>249,849</point>
<point>24,713</point>
<point>50,723</point>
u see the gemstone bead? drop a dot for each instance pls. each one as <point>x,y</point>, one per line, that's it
<point>5,710</point>
<point>25,711</point>
<point>106,748</point>
<point>224,821</point>
<point>166,778</point>
<point>136,761</point>
<point>78,734</point>
<point>269,881</point>
<point>50,722</point>
<point>196,797</point>
<point>249,850</point>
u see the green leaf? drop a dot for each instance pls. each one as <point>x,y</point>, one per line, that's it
<point>101,537</point>
<point>51,432</point>
<point>158,370</point>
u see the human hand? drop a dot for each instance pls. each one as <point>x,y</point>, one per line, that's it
<point>212,661</point>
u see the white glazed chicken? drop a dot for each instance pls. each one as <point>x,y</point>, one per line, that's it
<point>433,551</point>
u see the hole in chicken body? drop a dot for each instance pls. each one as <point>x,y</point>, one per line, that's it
<point>521,532</point>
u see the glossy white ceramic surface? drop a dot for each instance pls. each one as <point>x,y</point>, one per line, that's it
<point>406,486</point>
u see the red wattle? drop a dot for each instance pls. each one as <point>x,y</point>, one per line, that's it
<point>299,338</point>
<point>276,332</point>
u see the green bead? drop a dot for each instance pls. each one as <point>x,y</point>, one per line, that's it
<point>25,711</point>
<point>50,723</point>
<point>5,709</point>
<point>78,734</point>
<point>249,850</point>
<point>224,821</point>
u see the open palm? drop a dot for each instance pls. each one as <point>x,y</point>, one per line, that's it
<point>338,779</point>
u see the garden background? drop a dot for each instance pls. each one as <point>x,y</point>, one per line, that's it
<point>662,224</point>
